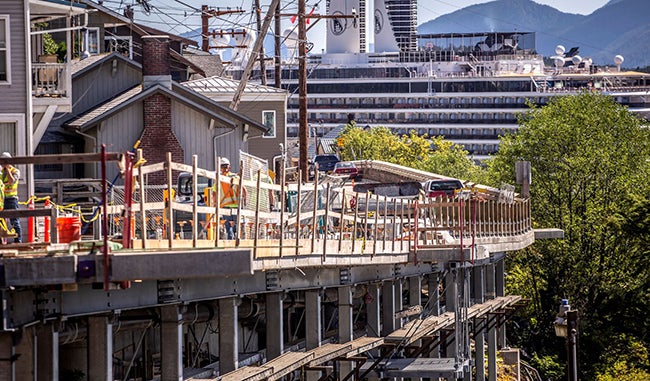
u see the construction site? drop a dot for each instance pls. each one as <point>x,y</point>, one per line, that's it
<point>328,284</point>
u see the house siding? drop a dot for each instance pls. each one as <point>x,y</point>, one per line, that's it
<point>192,130</point>
<point>14,96</point>
<point>102,83</point>
<point>120,133</point>
<point>265,148</point>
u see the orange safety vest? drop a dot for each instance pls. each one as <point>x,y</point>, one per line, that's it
<point>10,190</point>
<point>228,191</point>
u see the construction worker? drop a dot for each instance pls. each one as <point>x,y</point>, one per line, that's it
<point>10,177</point>
<point>228,197</point>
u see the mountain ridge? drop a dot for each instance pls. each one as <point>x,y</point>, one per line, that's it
<point>619,27</point>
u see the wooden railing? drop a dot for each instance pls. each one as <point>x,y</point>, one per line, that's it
<point>326,218</point>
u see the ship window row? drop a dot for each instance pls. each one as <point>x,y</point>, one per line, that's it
<point>407,102</point>
<point>410,117</point>
<point>447,132</point>
<point>347,86</point>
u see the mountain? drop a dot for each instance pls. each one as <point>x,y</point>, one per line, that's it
<point>619,27</point>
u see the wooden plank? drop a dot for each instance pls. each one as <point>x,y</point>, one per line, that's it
<point>287,363</point>
<point>60,158</point>
<point>247,373</point>
<point>364,344</point>
<point>328,352</point>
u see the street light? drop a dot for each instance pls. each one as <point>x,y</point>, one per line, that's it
<point>566,325</point>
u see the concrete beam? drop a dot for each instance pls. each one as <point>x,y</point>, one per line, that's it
<point>228,335</point>
<point>274,325</point>
<point>171,343</point>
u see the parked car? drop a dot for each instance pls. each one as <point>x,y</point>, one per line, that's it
<point>346,168</point>
<point>326,163</point>
<point>442,188</point>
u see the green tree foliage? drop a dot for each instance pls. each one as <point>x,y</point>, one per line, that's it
<point>590,160</point>
<point>432,155</point>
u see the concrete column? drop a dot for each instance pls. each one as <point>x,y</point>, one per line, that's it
<point>399,305</point>
<point>415,291</point>
<point>171,343</point>
<point>373,329</point>
<point>47,353</point>
<point>313,325</point>
<point>228,335</point>
<point>451,297</point>
<point>478,287</point>
<point>434,305</point>
<point>100,348</point>
<point>490,282</point>
<point>345,326</point>
<point>500,290</point>
<point>388,310</point>
<point>7,351</point>
<point>274,325</point>
<point>490,293</point>
<point>492,350</point>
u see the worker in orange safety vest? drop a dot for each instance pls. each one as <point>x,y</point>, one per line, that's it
<point>228,197</point>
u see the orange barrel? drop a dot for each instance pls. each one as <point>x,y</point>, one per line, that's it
<point>68,229</point>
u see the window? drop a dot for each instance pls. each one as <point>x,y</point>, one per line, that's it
<point>268,120</point>
<point>5,53</point>
<point>92,40</point>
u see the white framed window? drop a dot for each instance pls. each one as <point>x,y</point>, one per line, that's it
<point>92,40</point>
<point>268,120</point>
<point>5,51</point>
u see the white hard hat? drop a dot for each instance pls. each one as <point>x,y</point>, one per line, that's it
<point>6,154</point>
<point>225,161</point>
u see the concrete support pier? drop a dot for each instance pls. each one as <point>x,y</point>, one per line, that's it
<point>228,335</point>
<point>171,343</point>
<point>100,348</point>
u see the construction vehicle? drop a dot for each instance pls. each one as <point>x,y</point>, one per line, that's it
<point>184,194</point>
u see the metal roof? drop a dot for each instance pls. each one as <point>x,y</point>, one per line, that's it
<point>227,86</point>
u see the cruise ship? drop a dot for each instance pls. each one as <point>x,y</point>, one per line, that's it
<point>467,87</point>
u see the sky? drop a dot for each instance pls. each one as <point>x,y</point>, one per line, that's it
<point>179,16</point>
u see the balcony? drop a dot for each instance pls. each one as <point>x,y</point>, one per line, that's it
<point>51,86</point>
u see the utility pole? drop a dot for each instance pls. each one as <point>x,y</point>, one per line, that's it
<point>278,50</point>
<point>206,13</point>
<point>258,13</point>
<point>256,50</point>
<point>303,127</point>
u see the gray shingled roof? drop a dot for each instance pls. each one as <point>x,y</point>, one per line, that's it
<point>81,66</point>
<point>99,111</point>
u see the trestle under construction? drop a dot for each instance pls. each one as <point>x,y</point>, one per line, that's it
<point>332,285</point>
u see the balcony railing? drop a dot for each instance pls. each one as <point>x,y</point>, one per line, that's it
<point>49,80</point>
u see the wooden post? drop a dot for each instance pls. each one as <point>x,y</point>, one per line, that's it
<point>170,209</point>
<point>195,198</point>
<point>240,192</point>
<point>257,212</point>
<point>313,221</point>
<point>217,201</point>
<point>298,199</point>
<point>327,204</point>
<point>283,197</point>
<point>374,228</point>
<point>341,219</point>
<point>354,223</point>
<point>143,212</point>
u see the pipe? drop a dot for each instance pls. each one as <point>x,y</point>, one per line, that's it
<point>85,25</point>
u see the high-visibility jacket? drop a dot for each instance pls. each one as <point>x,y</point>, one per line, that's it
<point>11,189</point>
<point>229,191</point>
<point>2,195</point>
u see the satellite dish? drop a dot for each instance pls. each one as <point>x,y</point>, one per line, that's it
<point>618,59</point>
<point>559,50</point>
<point>576,60</point>
<point>558,61</point>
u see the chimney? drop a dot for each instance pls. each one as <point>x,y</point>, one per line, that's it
<point>156,68</point>
<point>157,136</point>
